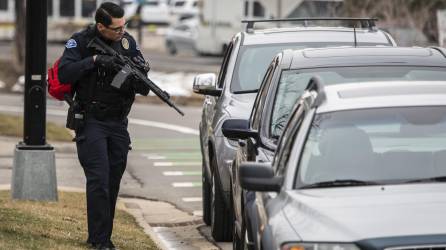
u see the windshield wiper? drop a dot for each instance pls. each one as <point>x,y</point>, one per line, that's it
<point>430,179</point>
<point>246,91</point>
<point>341,183</point>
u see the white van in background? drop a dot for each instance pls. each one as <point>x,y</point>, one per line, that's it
<point>183,9</point>
<point>220,20</point>
<point>152,11</point>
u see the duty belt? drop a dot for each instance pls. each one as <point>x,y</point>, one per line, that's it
<point>102,111</point>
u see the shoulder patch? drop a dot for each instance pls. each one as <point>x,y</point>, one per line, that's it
<point>71,44</point>
<point>125,43</point>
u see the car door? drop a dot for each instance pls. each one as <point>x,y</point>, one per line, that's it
<point>210,106</point>
<point>246,151</point>
<point>183,36</point>
<point>261,149</point>
<point>266,203</point>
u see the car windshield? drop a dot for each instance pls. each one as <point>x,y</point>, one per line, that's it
<point>293,82</point>
<point>385,145</point>
<point>253,60</point>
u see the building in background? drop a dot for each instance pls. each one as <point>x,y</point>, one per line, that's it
<point>64,17</point>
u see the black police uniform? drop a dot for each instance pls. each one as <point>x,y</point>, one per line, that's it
<point>103,140</point>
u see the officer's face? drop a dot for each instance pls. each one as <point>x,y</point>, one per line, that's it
<point>115,30</point>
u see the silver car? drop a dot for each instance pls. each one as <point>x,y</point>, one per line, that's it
<point>232,93</point>
<point>359,166</point>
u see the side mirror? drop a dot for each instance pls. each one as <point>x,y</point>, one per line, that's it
<point>238,129</point>
<point>205,84</point>
<point>259,177</point>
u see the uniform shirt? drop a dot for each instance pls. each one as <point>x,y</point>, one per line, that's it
<point>77,67</point>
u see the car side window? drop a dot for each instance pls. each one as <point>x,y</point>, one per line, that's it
<point>261,97</point>
<point>182,27</point>
<point>288,92</point>
<point>224,65</point>
<point>287,140</point>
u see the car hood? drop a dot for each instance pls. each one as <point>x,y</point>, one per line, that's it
<point>354,213</point>
<point>239,106</point>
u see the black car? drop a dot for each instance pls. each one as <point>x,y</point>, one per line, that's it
<point>285,81</point>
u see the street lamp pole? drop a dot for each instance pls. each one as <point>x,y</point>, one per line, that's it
<point>34,174</point>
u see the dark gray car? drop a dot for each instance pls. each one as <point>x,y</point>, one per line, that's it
<point>285,81</point>
<point>359,166</point>
<point>232,94</point>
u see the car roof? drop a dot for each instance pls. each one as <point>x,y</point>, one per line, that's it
<point>367,95</point>
<point>361,56</point>
<point>316,34</point>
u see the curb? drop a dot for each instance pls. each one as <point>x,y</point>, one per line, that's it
<point>136,213</point>
<point>148,230</point>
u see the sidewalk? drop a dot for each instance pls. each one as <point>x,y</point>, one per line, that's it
<point>168,227</point>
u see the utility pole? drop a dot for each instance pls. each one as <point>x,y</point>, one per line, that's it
<point>34,173</point>
<point>139,20</point>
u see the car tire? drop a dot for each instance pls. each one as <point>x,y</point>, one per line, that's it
<point>171,48</point>
<point>207,192</point>
<point>222,218</point>
<point>238,243</point>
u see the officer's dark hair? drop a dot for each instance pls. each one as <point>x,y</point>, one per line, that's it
<point>107,11</point>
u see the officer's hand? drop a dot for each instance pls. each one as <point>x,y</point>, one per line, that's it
<point>105,61</point>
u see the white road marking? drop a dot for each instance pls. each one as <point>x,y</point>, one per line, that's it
<point>182,173</point>
<point>182,184</point>
<point>163,164</point>
<point>180,129</point>
<point>154,156</point>
<point>171,164</point>
<point>147,123</point>
<point>173,173</point>
<point>192,199</point>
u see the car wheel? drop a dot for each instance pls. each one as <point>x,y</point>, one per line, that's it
<point>207,192</point>
<point>238,243</point>
<point>221,216</point>
<point>171,48</point>
<point>241,242</point>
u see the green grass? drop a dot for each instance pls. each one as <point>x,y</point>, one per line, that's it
<point>13,126</point>
<point>60,225</point>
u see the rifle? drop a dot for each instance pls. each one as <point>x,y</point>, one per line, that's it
<point>129,67</point>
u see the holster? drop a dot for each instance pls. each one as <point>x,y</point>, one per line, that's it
<point>76,117</point>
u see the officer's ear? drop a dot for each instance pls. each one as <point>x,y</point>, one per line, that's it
<point>100,27</point>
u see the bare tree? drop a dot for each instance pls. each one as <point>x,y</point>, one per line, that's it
<point>19,37</point>
<point>414,14</point>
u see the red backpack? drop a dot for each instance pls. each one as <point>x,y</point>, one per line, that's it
<point>55,88</point>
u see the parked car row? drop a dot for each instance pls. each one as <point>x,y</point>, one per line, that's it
<point>325,137</point>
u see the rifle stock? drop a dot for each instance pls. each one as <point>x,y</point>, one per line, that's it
<point>130,67</point>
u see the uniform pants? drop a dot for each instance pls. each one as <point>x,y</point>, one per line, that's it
<point>102,148</point>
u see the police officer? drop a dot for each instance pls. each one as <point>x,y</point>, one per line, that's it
<point>102,138</point>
